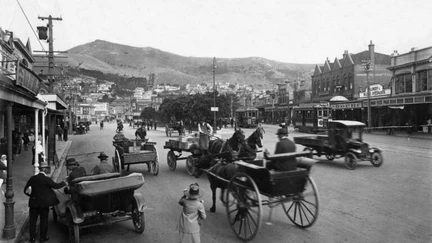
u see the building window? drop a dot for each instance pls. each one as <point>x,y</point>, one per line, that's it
<point>350,81</point>
<point>424,80</point>
<point>345,81</point>
<point>403,83</point>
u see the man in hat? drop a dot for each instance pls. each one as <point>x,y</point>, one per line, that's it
<point>42,197</point>
<point>193,211</point>
<point>104,166</point>
<point>75,169</point>
<point>285,145</point>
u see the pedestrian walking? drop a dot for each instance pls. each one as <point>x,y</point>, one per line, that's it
<point>192,214</point>
<point>42,197</point>
<point>155,125</point>
<point>65,133</point>
<point>59,132</point>
<point>26,140</point>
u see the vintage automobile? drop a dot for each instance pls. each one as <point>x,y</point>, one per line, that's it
<point>82,127</point>
<point>344,139</point>
<point>100,200</point>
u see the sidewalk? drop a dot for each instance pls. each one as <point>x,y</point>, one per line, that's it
<point>21,172</point>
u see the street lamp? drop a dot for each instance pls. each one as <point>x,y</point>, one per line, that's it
<point>368,65</point>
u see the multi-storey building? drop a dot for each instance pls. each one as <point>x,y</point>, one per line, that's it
<point>411,100</point>
<point>347,77</point>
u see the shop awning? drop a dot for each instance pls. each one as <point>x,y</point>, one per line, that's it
<point>55,102</point>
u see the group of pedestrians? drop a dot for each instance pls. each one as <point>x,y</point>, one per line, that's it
<point>62,132</point>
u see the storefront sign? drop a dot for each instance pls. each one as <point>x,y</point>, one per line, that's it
<point>27,79</point>
<point>376,90</point>
<point>346,106</point>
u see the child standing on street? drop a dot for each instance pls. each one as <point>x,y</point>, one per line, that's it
<point>193,211</point>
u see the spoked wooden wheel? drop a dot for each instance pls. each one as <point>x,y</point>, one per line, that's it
<point>377,159</point>
<point>243,206</point>
<point>351,160</point>
<point>155,164</point>
<point>172,160</point>
<point>73,229</point>
<point>138,218</point>
<point>303,209</point>
<point>117,164</point>
<point>190,165</point>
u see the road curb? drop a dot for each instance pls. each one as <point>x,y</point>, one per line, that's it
<point>20,238</point>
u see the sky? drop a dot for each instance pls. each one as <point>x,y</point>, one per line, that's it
<point>306,31</point>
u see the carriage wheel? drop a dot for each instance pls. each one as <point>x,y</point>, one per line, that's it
<point>303,209</point>
<point>155,164</point>
<point>307,149</point>
<point>243,206</point>
<point>172,160</point>
<point>138,218</point>
<point>190,165</point>
<point>330,156</point>
<point>351,160</point>
<point>377,159</point>
<point>117,161</point>
<point>73,229</point>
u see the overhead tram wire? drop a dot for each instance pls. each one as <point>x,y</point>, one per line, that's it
<point>25,15</point>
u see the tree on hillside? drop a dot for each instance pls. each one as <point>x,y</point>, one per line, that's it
<point>149,113</point>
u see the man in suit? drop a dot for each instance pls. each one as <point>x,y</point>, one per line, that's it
<point>285,145</point>
<point>104,166</point>
<point>42,197</point>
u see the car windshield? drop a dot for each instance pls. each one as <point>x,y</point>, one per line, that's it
<point>354,132</point>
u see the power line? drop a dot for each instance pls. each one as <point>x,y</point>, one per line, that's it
<point>37,37</point>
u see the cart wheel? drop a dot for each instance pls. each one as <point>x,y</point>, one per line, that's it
<point>303,209</point>
<point>330,156</point>
<point>171,159</point>
<point>243,206</point>
<point>351,160</point>
<point>73,229</point>
<point>377,159</point>
<point>307,149</point>
<point>190,165</point>
<point>117,162</point>
<point>155,164</point>
<point>138,218</point>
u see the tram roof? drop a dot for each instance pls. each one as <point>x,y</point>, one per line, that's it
<point>349,123</point>
<point>247,109</point>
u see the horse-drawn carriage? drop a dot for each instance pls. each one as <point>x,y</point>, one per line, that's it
<point>128,152</point>
<point>344,139</point>
<point>174,126</point>
<point>101,200</point>
<point>245,182</point>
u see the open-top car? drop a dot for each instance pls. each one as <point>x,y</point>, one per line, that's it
<point>344,139</point>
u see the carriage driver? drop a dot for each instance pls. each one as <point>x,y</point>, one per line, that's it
<point>285,145</point>
<point>141,132</point>
<point>205,130</point>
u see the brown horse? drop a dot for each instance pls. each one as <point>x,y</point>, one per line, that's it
<point>226,150</point>
<point>253,142</point>
<point>225,171</point>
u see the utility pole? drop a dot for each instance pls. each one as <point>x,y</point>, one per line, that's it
<point>50,44</point>
<point>214,95</point>
<point>368,66</point>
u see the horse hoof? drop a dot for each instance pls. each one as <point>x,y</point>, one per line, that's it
<point>212,209</point>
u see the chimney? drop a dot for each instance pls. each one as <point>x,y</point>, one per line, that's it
<point>345,54</point>
<point>372,52</point>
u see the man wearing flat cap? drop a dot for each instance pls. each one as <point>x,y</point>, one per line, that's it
<point>285,145</point>
<point>104,166</point>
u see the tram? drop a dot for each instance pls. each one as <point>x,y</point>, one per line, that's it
<point>247,117</point>
<point>312,118</point>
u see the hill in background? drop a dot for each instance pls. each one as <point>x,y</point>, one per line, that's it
<point>170,68</point>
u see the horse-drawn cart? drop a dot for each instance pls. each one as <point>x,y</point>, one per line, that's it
<point>294,190</point>
<point>139,152</point>
<point>176,149</point>
<point>174,127</point>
